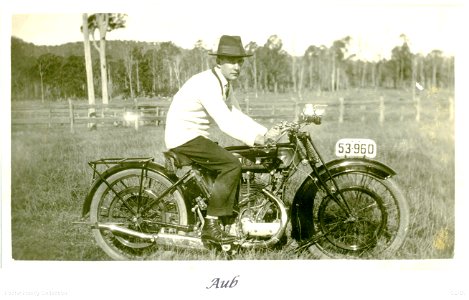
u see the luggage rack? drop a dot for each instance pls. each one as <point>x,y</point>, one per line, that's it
<point>109,162</point>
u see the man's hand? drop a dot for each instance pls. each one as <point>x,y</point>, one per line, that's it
<point>273,134</point>
<point>260,140</point>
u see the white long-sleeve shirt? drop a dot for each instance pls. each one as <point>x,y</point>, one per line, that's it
<point>198,101</point>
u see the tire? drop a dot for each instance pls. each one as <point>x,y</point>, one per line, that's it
<point>376,226</point>
<point>107,206</point>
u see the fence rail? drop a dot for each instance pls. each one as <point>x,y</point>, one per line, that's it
<point>153,111</point>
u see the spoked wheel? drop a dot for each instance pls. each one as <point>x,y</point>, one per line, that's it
<point>121,203</point>
<point>367,217</point>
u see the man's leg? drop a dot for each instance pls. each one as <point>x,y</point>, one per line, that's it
<point>213,157</point>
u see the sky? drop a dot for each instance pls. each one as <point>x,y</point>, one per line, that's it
<point>374,28</point>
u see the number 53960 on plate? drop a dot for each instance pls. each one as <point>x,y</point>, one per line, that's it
<point>355,148</point>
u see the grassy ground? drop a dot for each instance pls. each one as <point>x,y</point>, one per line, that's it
<point>50,177</point>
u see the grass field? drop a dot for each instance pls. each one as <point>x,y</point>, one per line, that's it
<point>50,178</point>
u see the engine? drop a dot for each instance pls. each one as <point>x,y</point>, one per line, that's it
<point>258,216</point>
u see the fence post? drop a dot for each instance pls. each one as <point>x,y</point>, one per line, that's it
<point>451,108</point>
<point>363,111</point>
<point>50,115</point>
<point>297,109</point>
<point>247,104</point>
<point>417,106</point>
<point>157,116</point>
<point>381,110</point>
<point>341,110</point>
<point>72,117</point>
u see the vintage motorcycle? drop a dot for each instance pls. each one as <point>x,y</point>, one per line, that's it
<point>349,207</point>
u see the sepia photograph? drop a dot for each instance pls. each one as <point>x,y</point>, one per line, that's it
<point>236,149</point>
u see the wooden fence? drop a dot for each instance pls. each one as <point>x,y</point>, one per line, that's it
<point>153,112</point>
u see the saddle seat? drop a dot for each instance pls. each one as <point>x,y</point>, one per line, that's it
<point>174,161</point>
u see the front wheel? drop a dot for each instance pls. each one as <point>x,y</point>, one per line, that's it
<point>120,199</point>
<point>364,217</point>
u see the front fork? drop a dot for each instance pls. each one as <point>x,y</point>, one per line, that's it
<point>310,153</point>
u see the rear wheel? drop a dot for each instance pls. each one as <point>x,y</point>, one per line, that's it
<point>120,203</point>
<point>370,221</point>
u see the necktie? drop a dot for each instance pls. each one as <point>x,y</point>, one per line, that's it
<point>227,94</point>
<point>227,90</point>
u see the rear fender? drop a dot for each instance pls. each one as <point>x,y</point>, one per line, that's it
<point>120,167</point>
<point>302,205</point>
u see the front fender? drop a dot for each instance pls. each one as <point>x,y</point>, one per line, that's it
<point>345,165</point>
<point>117,168</point>
<point>302,205</point>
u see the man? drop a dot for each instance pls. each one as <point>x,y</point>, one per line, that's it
<point>209,95</point>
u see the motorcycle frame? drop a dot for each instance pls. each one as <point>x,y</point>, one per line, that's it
<point>321,172</point>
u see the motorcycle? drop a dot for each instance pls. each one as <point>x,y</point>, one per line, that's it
<point>349,207</point>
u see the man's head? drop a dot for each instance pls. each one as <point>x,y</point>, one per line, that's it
<point>230,66</point>
<point>230,56</point>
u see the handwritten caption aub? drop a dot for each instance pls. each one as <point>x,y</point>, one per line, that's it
<point>218,283</point>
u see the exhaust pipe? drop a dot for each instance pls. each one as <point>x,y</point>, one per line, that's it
<point>158,238</point>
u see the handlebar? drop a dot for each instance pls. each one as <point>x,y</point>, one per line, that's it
<point>311,114</point>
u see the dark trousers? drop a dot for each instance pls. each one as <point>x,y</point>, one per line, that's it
<point>213,157</point>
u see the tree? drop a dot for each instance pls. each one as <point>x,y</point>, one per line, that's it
<point>37,72</point>
<point>312,57</point>
<point>72,78</point>
<point>137,58</point>
<point>24,75</point>
<point>338,51</point>
<point>402,61</point>
<point>171,58</point>
<point>88,67</point>
<point>252,64</point>
<point>200,54</point>
<point>436,63</point>
<point>128,62</point>
<point>274,63</point>
<point>104,22</point>
<point>48,67</point>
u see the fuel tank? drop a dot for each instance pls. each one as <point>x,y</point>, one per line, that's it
<point>262,158</point>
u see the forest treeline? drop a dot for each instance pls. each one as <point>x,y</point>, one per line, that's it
<point>145,69</point>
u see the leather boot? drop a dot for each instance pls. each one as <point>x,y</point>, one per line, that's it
<point>212,233</point>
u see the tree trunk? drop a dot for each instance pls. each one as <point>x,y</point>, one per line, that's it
<point>414,76</point>
<point>103,23</point>
<point>89,69</point>
<point>310,74</point>
<point>102,55</point>
<point>109,80</point>
<point>254,76</point>
<point>42,83</point>
<point>434,68</point>
<point>293,74</point>
<point>363,79</point>
<point>128,63</point>
<point>154,73</point>
<point>301,79</point>
<point>333,74</point>
<point>137,78</point>
<point>337,80</point>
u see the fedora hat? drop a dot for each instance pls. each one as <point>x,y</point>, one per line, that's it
<point>230,45</point>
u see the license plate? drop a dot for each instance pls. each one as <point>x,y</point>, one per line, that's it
<point>355,148</point>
